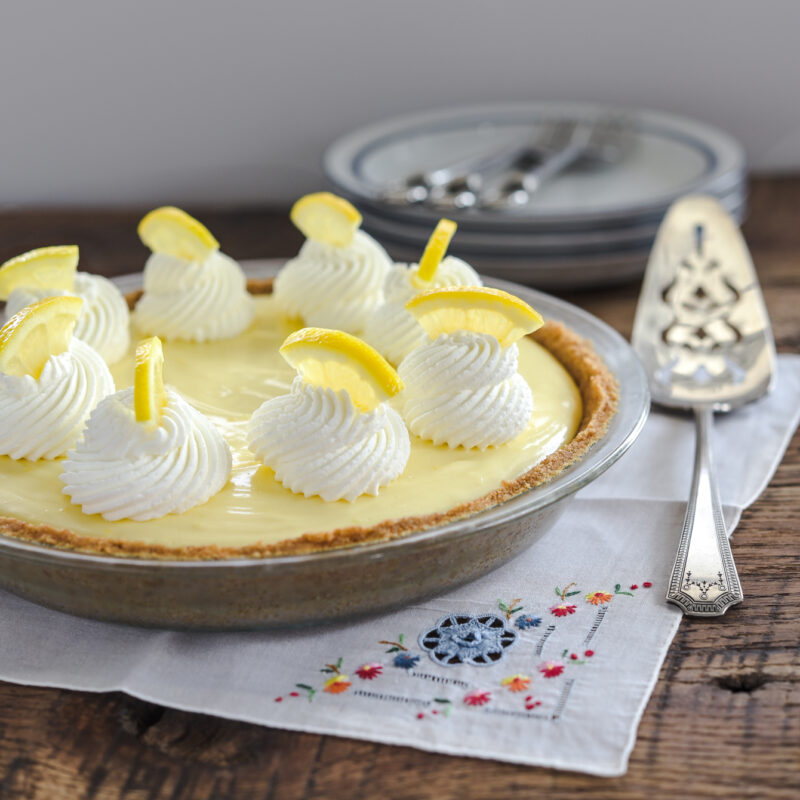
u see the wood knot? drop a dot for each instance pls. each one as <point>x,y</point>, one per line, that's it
<point>744,682</point>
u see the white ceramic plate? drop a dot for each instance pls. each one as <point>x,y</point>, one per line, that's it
<point>673,156</point>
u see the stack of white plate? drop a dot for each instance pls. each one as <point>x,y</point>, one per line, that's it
<point>585,227</point>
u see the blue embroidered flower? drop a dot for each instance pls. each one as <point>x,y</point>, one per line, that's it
<point>525,621</point>
<point>464,639</point>
<point>406,660</point>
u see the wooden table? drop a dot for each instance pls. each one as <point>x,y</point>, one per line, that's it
<point>724,720</point>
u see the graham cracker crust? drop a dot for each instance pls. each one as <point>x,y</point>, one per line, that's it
<point>599,393</point>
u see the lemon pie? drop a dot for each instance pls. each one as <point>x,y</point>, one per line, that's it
<point>264,391</point>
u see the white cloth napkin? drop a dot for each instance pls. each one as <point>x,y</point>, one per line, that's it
<point>568,688</point>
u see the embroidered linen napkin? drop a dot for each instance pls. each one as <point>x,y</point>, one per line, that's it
<point>526,665</point>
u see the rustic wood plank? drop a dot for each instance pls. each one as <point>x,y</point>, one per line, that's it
<point>724,720</point>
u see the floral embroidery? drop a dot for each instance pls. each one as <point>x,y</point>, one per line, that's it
<point>530,703</point>
<point>395,646</point>
<point>526,621</point>
<point>564,609</point>
<point>479,697</point>
<point>618,590</point>
<point>406,661</point>
<point>337,684</point>
<point>509,609</point>
<point>463,639</point>
<point>551,669</point>
<point>309,690</point>
<point>516,683</point>
<point>369,672</point>
<point>647,584</point>
<point>600,598</point>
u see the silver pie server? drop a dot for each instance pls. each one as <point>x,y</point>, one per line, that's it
<point>702,331</point>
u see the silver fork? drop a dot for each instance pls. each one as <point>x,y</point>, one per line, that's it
<point>602,141</point>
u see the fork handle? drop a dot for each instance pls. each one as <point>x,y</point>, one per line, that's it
<point>704,581</point>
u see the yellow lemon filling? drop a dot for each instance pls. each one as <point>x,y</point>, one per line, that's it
<point>227,380</point>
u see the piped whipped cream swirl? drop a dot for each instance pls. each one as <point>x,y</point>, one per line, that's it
<point>464,390</point>
<point>43,418</point>
<point>104,323</point>
<point>194,301</point>
<point>391,330</point>
<point>124,469</point>
<point>319,443</point>
<point>334,287</point>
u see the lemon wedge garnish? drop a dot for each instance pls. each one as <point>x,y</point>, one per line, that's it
<point>435,249</point>
<point>172,231</point>
<point>43,268</point>
<point>37,332</point>
<point>337,360</point>
<point>149,395</point>
<point>477,309</point>
<point>326,217</point>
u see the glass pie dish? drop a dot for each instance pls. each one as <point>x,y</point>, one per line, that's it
<point>317,587</point>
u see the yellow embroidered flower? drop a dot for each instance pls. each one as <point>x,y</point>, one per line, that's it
<point>516,683</point>
<point>337,684</point>
<point>599,598</point>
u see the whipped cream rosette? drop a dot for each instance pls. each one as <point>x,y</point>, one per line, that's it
<point>51,272</point>
<point>463,389</point>
<point>336,280</point>
<point>146,452</point>
<point>391,329</point>
<point>333,435</point>
<point>192,291</point>
<point>49,380</point>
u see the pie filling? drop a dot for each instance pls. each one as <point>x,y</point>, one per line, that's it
<point>227,380</point>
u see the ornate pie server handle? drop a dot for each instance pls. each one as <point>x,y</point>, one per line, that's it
<point>704,581</point>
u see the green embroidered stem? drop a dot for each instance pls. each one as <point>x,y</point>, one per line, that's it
<point>617,589</point>
<point>310,690</point>
<point>565,592</point>
<point>510,609</point>
<point>395,646</point>
<point>333,668</point>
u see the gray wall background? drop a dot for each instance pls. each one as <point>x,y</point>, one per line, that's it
<point>222,103</point>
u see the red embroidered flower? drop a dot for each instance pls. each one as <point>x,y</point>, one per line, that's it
<point>369,671</point>
<point>550,669</point>
<point>647,584</point>
<point>599,598</point>
<point>516,683</point>
<point>479,697</point>
<point>337,684</point>
<point>563,610</point>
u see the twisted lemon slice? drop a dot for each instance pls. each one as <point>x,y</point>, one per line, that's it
<point>326,217</point>
<point>476,309</point>
<point>337,360</point>
<point>43,268</point>
<point>172,231</point>
<point>435,249</point>
<point>37,332</point>
<point>149,395</point>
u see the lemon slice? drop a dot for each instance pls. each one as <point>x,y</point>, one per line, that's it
<point>149,395</point>
<point>478,309</point>
<point>43,268</point>
<point>172,231</point>
<point>37,332</point>
<point>337,360</point>
<point>326,217</point>
<point>435,249</point>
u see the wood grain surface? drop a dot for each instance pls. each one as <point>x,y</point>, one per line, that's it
<point>724,720</point>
